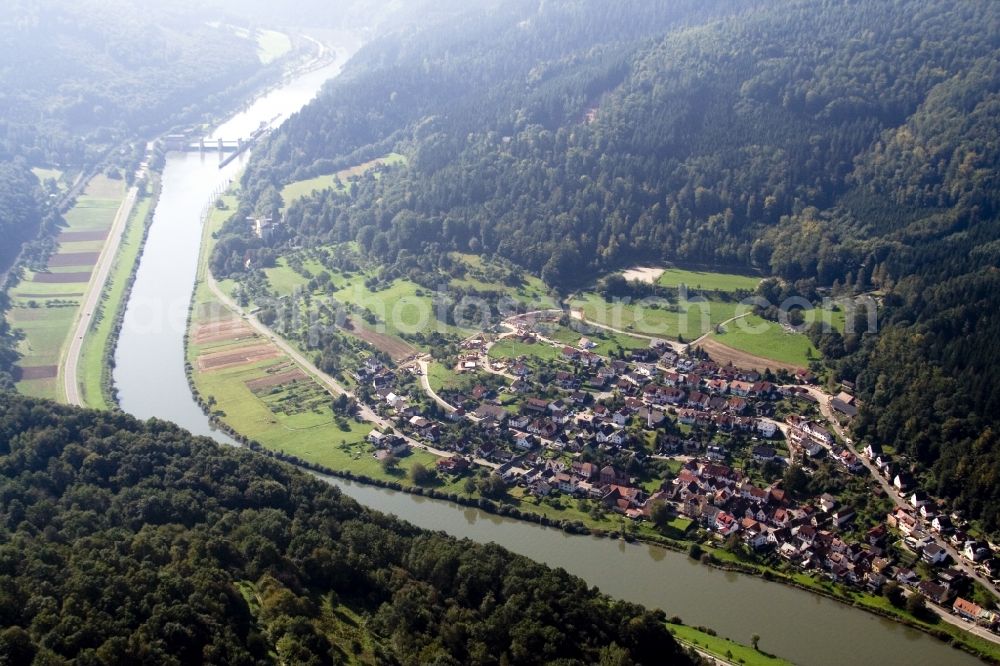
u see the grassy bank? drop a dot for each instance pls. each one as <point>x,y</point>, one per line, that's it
<point>723,648</point>
<point>96,357</point>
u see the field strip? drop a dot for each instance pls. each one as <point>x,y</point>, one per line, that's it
<point>95,289</point>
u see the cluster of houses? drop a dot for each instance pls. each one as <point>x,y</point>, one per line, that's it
<point>810,439</point>
<point>651,386</point>
<point>812,536</point>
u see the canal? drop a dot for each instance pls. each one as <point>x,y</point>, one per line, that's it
<point>149,375</point>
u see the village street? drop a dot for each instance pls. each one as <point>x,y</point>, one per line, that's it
<point>825,400</point>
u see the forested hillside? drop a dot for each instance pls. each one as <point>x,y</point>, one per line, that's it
<point>79,75</point>
<point>20,208</point>
<point>851,145</point>
<point>123,542</point>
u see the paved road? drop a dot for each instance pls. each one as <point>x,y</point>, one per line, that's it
<point>578,315</point>
<point>364,411</point>
<point>426,384</point>
<point>71,358</point>
<point>825,401</point>
<point>699,340</point>
<point>947,616</point>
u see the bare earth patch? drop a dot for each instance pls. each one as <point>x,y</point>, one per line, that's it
<point>74,259</point>
<point>233,329</point>
<point>244,356</point>
<point>276,380</point>
<point>723,355</point>
<point>395,348</point>
<point>75,236</point>
<point>61,278</point>
<point>37,372</point>
<point>645,274</point>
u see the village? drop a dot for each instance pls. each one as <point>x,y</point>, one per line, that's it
<point>599,430</point>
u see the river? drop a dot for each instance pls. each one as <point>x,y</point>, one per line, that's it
<point>149,375</point>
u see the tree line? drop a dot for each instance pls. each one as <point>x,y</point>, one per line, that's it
<point>848,144</point>
<point>123,541</point>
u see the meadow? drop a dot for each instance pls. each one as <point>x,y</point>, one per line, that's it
<point>707,281</point>
<point>685,320</point>
<point>606,343</point>
<point>45,303</point>
<point>771,341</point>
<point>767,339</point>
<point>303,188</point>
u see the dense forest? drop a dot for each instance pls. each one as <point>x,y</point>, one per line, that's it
<point>853,145</point>
<point>124,542</point>
<point>20,209</point>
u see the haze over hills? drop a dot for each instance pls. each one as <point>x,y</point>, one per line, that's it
<point>850,145</point>
<point>527,149</point>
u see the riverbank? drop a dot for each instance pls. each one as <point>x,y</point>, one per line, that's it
<point>97,359</point>
<point>807,629</point>
<point>205,311</point>
<point>95,363</point>
<point>224,396</point>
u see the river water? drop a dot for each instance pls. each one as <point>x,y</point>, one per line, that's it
<point>149,374</point>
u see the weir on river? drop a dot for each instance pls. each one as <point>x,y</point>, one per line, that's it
<point>149,375</point>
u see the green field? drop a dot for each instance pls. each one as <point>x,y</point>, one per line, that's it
<point>271,45</point>
<point>768,340</point>
<point>704,280</point>
<point>45,311</point>
<point>725,648</point>
<point>45,173</point>
<point>92,360</point>
<point>402,308</point>
<point>484,276</point>
<point>509,348</point>
<point>442,378</point>
<point>607,342</point>
<point>688,319</point>
<point>284,279</point>
<point>303,188</point>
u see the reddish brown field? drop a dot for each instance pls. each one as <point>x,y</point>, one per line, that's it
<point>38,372</point>
<point>74,259</point>
<point>61,278</point>
<point>220,331</point>
<point>242,356</point>
<point>722,355</point>
<point>73,236</point>
<point>276,380</point>
<point>395,348</point>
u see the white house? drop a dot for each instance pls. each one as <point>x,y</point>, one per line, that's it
<point>766,428</point>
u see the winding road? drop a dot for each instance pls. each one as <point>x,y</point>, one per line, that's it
<point>365,412</point>
<point>425,383</point>
<point>825,402</point>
